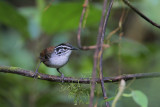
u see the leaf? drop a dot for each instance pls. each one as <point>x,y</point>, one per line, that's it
<point>66,16</point>
<point>140,98</point>
<point>109,99</point>
<point>10,17</point>
<point>127,95</point>
<point>106,100</point>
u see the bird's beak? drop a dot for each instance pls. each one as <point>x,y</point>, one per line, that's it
<point>74,48</point>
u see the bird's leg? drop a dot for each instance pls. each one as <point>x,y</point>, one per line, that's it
<point>62,75</point>
<point>36,72</point>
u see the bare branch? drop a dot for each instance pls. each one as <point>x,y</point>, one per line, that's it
<point>80,23</point>
<point>141,14</point>
<point>85,5</point>
<point>94,47</point>
<point>101,51</point>
<point>119,28</point>
<point>27,73</point>
<point>96,54</point>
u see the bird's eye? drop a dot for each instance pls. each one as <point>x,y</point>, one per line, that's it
<point>45,57</point>
<point>65,48</point>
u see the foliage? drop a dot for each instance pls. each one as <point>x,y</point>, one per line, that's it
<point>139,97</point>
<point>78,92</point>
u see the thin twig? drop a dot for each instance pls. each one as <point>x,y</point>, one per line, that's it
<point>80,23</point>
<point>48,5</point>
<point>94,47</point>
<point>52,78</point>
<point>85,5</point>
<point>121,21</point>
<point>141,14</point>
<point>101,51</point>
<point>97,53</point>
<point>120,92</point>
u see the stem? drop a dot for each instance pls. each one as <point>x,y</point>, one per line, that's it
<point>101,52</point>
<point>141,14</point>
<point>97,51</point>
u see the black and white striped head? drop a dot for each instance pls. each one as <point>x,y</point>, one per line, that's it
<point>63,49</point>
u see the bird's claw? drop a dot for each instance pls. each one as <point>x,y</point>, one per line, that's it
<point>35,75</point>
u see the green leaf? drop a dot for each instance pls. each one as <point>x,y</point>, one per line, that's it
<point>127,95</point>
<point>140,98</point>
<point>10,17</point>
<point>106,100</point>
<point>66,16</point>
<point>109,99</point>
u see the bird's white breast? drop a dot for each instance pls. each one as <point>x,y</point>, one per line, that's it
<point>58,61</point>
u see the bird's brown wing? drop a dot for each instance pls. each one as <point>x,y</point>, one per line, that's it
<point>46,54</point>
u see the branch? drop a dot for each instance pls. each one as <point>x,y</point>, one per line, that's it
<point>101,51</point>
<point>27,73</point>
<point>141,14</point>
<point>85,5</point>
<point>93,47</point>
<point>80,23</point>
<point>96,53</point>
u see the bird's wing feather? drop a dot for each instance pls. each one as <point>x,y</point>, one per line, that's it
<point>46,53</point>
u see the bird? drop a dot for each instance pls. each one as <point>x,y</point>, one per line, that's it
<point>56,57</point>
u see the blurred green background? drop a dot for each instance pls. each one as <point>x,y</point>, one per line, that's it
<point>29,26</point>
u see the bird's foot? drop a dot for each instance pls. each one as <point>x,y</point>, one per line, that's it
<point>62,76</point>
<point>35,75</point>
